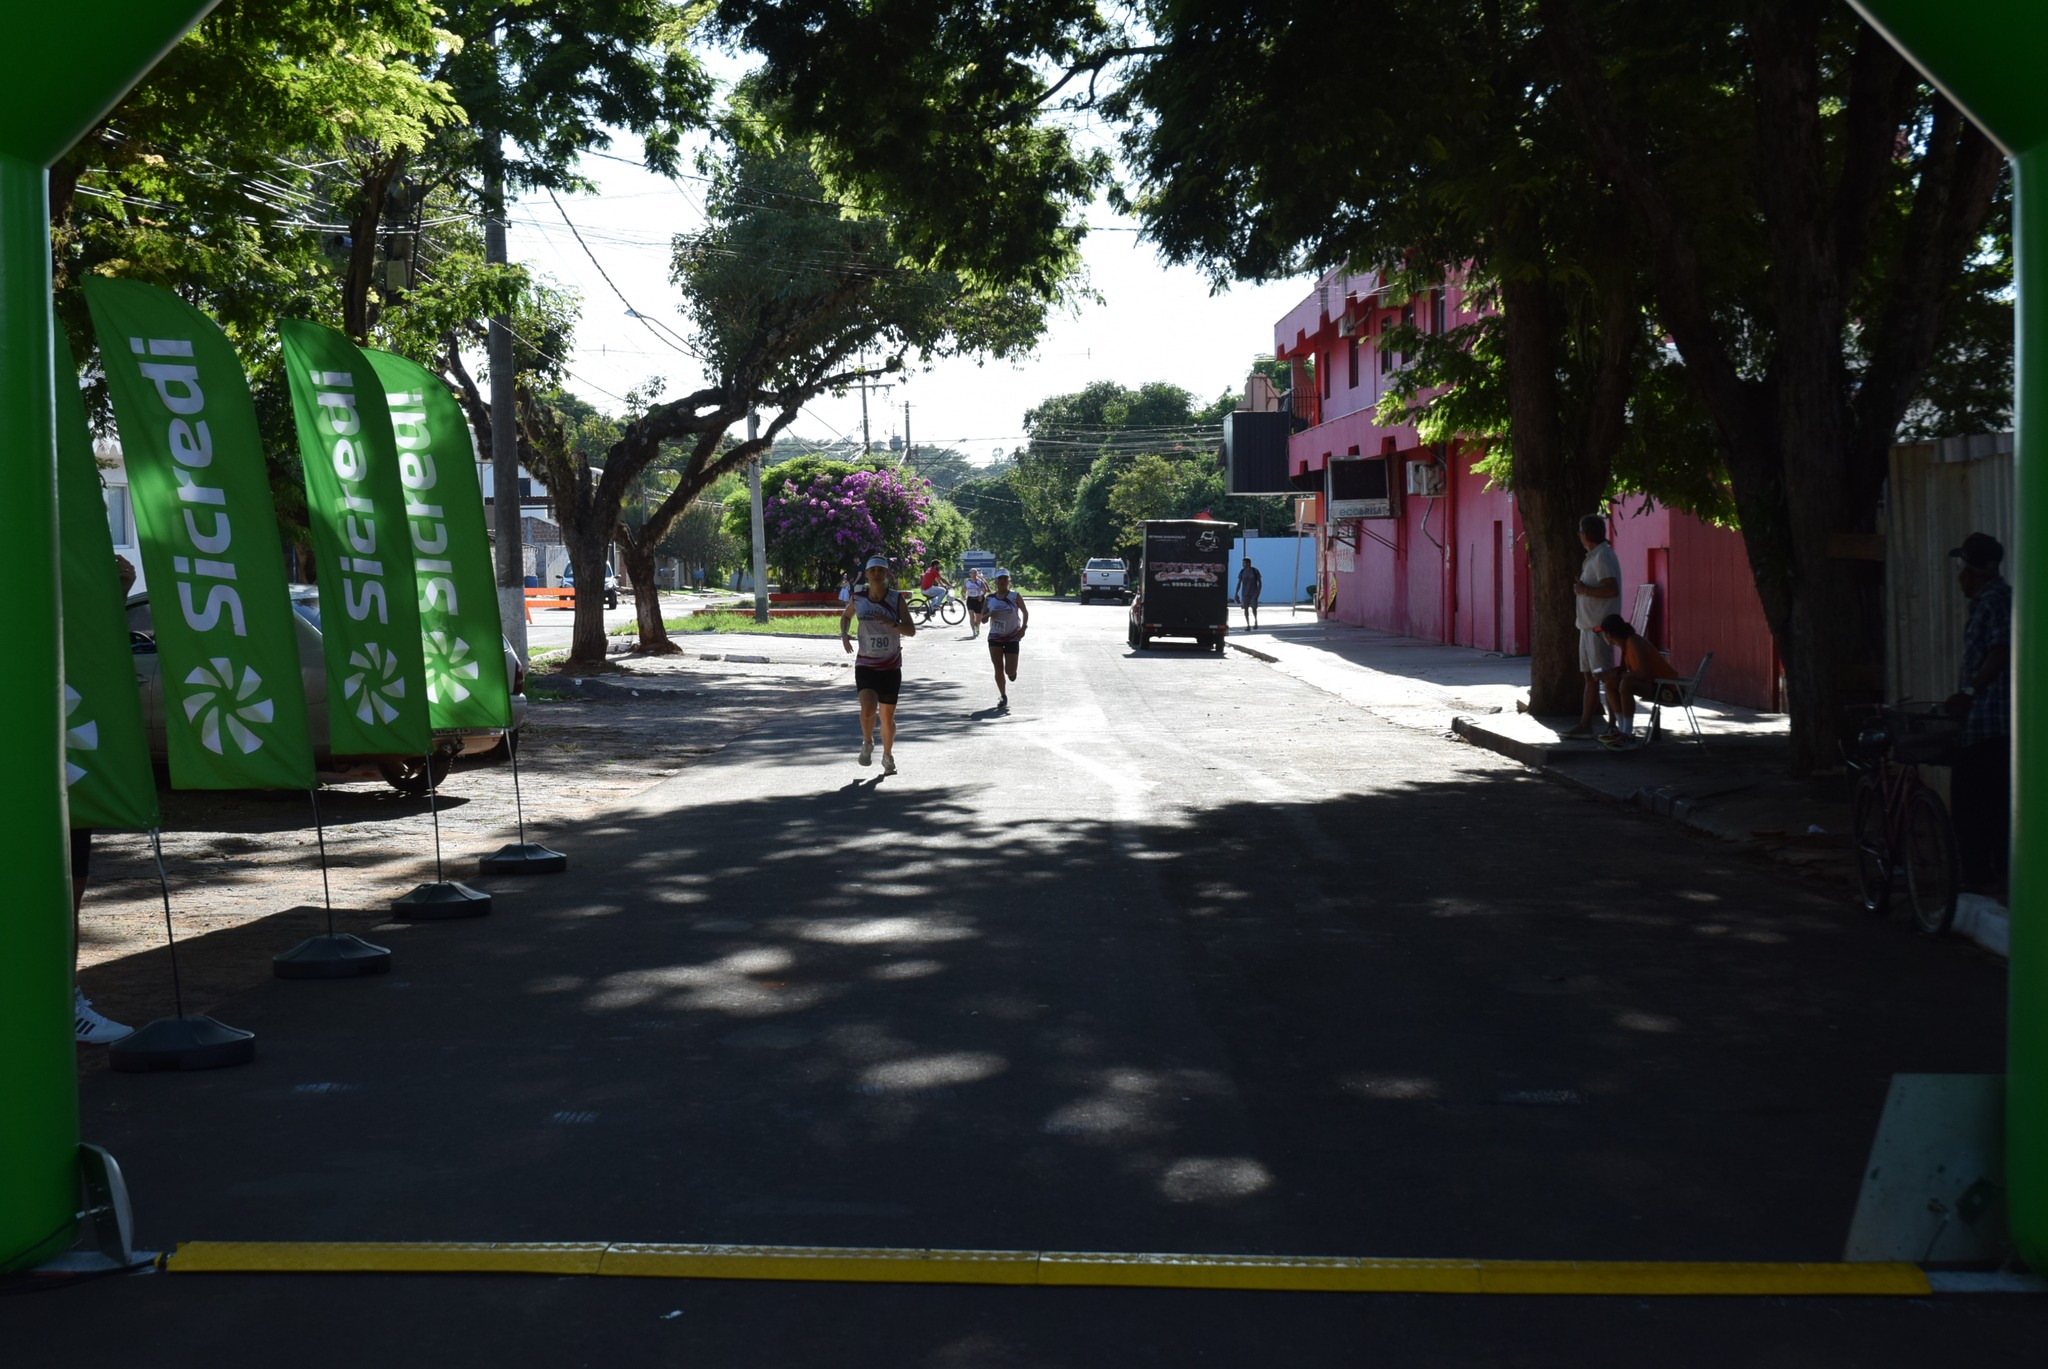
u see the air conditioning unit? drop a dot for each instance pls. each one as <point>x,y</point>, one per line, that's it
<point>1349,325</point>
<point>1425,479</point>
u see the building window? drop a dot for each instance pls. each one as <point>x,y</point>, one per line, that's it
<point>1328,375</point>
<point>526,489</point>
<point>118,521</point>
<point>1354,363</point>
<point>1439,312</point>
<point>1407,321</point>
<point>1386,352</point>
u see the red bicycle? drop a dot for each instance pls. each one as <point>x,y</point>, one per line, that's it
<point>1902,828</point>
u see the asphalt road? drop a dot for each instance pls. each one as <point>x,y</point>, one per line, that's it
<point>1179,954</point>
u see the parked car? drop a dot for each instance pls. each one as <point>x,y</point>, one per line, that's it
<point>407,774</point>
<point>1105,577</point>
<point>611,584</point>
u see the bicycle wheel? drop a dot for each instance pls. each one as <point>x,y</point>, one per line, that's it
<point>1930,863</point>
<point>952,612</point>
<point>1873,853</point>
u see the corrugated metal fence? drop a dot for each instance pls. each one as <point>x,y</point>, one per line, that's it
<point>1940,493</point>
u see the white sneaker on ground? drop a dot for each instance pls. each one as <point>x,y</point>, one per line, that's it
<point>867,750</point>
<point>89,1026</point>
<point>888,764</point>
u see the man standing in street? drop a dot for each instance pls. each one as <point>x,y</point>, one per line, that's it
<point>1598,592</point>
<point>1249,582</point>
<point>1980,787</point>
<point>884,618</point>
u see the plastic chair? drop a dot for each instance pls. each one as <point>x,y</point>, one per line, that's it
<point>1680,694</point>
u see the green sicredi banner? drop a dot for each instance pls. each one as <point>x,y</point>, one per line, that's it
<point>369,610</point>
<point>444,510</point>
<point>234,706</point>
<point>106,750</point>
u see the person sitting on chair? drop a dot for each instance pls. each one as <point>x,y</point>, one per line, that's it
<point>1644,674</point>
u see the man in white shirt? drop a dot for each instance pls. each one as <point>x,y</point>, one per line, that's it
<point>1598,591</point>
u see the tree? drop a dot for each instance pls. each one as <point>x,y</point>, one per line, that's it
<point>1813,207</point>
<point>699,540</point>
<point>1146,490</point>
<point>1452,158</point>
<point>825,517</point>
<point>1079,444</point>
<point>991,505</point>
<point>947,533</point>
<point>787,290</point>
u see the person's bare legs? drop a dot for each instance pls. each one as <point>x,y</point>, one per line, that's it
<point>1589,711</point>
<point>995,656</point>
<point>1010,659</point>
<point>868,708</point>
<point>888,712</point>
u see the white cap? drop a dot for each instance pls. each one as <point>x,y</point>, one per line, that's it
<point>877,563</point>
<point>1001,574</point>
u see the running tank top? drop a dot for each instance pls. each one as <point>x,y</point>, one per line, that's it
<point>1005,616</point>
<point>881,638</point>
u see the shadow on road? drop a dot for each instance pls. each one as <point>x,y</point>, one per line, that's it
<point>1466,1018</point>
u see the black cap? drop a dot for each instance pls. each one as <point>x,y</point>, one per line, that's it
<point>1979,549</point>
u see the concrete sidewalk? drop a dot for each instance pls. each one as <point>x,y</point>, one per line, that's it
<point>1730,783</point>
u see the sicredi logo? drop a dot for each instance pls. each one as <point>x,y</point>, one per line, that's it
<point>207,570</point>
<point>428,523</point>
<point>362,575</point>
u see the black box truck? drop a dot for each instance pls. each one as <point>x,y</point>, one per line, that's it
<point>1183,582</point>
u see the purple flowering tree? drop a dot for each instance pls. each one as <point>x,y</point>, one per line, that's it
<point>825,517</point>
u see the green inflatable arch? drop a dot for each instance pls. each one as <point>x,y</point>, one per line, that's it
<point>65,66</point>
<point>1988,56</point>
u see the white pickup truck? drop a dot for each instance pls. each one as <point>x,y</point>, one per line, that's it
<point>1104,577</point>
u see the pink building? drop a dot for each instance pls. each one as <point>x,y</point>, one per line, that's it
<point>1413,542</point>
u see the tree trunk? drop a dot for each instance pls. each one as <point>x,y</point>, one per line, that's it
<point>360,277</point>
<point>1554,488</point>
<point>587,549</point>
<point>654,638</point>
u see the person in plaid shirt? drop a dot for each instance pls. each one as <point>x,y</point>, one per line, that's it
<point>1980,788</point>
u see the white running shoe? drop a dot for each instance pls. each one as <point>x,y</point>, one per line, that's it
<point>90,1027</point>
<point>867,750</point>
<point>888,764</point>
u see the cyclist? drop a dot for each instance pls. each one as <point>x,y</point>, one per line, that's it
<point>884,616</point>
<point>1007,620</point>
<point>933,579</point>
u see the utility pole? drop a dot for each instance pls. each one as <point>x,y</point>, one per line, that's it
<point>867,445</point>
<point>760,532</point>
<point>906,433</point>
<point>504,429</point>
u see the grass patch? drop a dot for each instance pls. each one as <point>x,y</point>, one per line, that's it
<point>804,625</point>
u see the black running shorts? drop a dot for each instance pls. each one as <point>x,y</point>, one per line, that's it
<point>886,684</point>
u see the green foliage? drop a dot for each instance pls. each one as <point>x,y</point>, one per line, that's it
<point>933,110</point>
<point>1146,490</point>
<point>699,539</point>
<point>946,533</point>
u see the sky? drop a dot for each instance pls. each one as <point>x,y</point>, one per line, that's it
<point>1154,322</point>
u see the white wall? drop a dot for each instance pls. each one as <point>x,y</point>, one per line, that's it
<point>1275,558</point>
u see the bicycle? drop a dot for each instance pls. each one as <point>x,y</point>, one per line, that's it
<point>944,606</point>
<point>1901,826</point>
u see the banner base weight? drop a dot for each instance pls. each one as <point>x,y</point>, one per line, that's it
<point>449,898</point>
<point>182,1043</point>
<point>523,858</point>
<point>335,955</point>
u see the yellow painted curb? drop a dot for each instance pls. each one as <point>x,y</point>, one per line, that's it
<point>1065,1269</point>
<point>825,1264</point>
<point>386,1257</point>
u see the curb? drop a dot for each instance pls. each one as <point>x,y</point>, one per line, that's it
<point>1528,753</point>
<point>1252,652</point>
